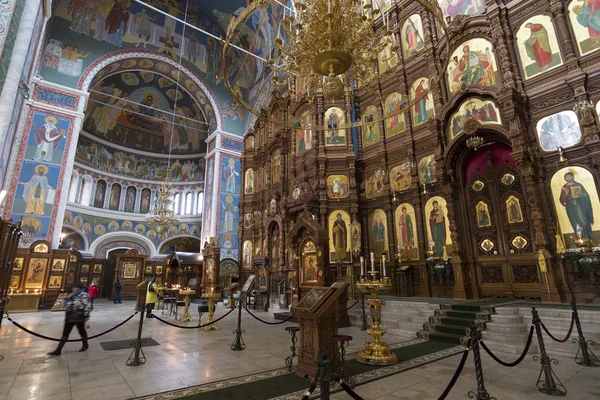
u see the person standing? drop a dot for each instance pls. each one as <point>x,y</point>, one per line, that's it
<point>118,287</point>
<point>93,293</point>
<point>151,296</point>
<point>77,314</point>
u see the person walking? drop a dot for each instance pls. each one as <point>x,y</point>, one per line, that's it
<point>93,293</point>
<point>151,296</point>
<point>77,314</point>
<point>118,287</point>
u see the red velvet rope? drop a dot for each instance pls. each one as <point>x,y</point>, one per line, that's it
<point>568,333</point>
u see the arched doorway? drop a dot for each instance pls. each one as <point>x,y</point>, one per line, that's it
<point>493,224</point>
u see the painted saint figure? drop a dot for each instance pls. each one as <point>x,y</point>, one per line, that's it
<point>311,270</point>
<point>421,105</point>
<point>588,15</point>
<point>379,235</point>
<point>406,238</point>
<point>116,21</point>
<point>47,139</point>
<point>229,174</point>
<point>145,203</point>
<point>35,192</point>
<point>340,237</point>
<point>437,225</point>
<point>130,199</point>
<point>483,216</point>
<point>83,12</point>
<point>99,195</point>
<point>576,200</point>
<point>538,45</point>
<point>229,211</point>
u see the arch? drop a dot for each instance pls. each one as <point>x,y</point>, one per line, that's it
<point>85,195</point>
<point>74,185</point>
<point>199,202</point>
<point>536,58</point>
<point>100,193</point>
<point>114,201</point>
<point>180,239</point>
<point>113,240</point>
<point>85,82</point>
<point>78,234</point>
<point>188,200</point>
<point>130,198</point>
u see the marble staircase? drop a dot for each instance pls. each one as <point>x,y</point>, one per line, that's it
<point>509,326</point>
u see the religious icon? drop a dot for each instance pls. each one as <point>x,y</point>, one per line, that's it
<point>427,169</point>
<point>47,139</point>
<point>513,210</point>
<point>35,273</point>
<point>40,248</point>
<point>249,142</point>
<point>400,178</point>
<point>558,130</point>
<point>85,269</point>
<point>412,35</point>
<point>335,134</point>
<point>371,129</point>
<point>507,179</point>
<point>339,239</point>
<point>485,112</point>
<point>55,282</point>
<point>247,220</point>
<point>378,232</point>
<point>149,270</point>
<point>423,100</point>
<point>276,165</point>
<point>18,266</point>
<point>338,186</point>
<point>273,206</point>
<point>14,282</point>
<point>229,212</point>
<point>483,215</point>
<point>438,230</point>
<point>229,175</point>
<point>310,268</point>
<point>100,193</point>
<point>115,196</point>
<point>159,269</point>
<point>304,133</point>
<point>99,230</point>
<point>296,193</point>
<point>375,185</point>
<point>249,181</point>
<point>473,64</point>
<point>453,8</point>
<point>406,231</point>
<point>129,270</point>
<point>478,186</point>
<point>584,22</point>
<point>37,192</point>
<point>538,46</point>
<point>58,264</point>
<point>388,58</point>
<point>247,251</point>
<point>394,122</point>
<point>97,269</point>
<point>487,245</point>
<point>130,199</point>
<point>519,242</point>
<point>262,278</point>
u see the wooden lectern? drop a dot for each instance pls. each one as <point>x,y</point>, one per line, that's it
<point>319,313</point>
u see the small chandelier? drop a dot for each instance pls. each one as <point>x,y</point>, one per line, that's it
<point>162,215</point>
<point>474,142</point>
<point>334,39</point>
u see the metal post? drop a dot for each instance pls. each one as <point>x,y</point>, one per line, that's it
<point>238,342</point>
<point>584,349</point>
<point>482,393</point>
<point>549,384</point>
<point>364,325</point>
<point>135,360</point>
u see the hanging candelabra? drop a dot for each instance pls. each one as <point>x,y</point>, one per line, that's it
<point>162,215</point>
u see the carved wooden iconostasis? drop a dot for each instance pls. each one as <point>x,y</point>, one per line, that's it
<point>131,268</point>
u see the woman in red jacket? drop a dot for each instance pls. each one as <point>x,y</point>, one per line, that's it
<point>93,292</point>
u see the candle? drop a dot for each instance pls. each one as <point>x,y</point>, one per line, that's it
<point>372,262</point>
<point>329,6</point>
<point>27,291</point>
<point>431,245</point>
<point>383,260</point>
<point>362,266</point>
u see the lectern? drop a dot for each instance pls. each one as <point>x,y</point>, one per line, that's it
<point>319,314</point>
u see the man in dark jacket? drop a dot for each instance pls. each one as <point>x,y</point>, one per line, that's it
<point>118,286</point>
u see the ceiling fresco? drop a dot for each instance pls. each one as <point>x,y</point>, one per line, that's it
<point>147,112</point>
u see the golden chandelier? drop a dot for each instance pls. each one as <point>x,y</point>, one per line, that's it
<point>330,43</point>
<point>162,215</point>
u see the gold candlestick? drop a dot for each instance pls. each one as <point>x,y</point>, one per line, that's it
<point>186,317</point>
<point>377,351</point>
<point>212,298</point>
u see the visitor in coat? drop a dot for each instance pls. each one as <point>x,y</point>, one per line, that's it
<point>151,296</point>
<point>93,293</point>
<point>78,309</point>
<point>118,287</point>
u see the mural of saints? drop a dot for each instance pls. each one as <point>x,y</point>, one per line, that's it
<point>230,174</point>
<point>438,231</point>
<point>388,58</point>
<point>585,22</point>
<point>558,130</point>
<point>394,122</point>
<point>453,8</point>
<point>338,186</point>
<point>473,64</point>
<point>406,231</point>
<point>36,191</point>
<point>427,169</point>
<point>375,185</point>
<point>378,238</point>
<point>100,193</point>
<point>339,239</point>
<point>538,47</point>
<point>145,202</point>
<point>412,35</point>
<point>47,139</point>
<point>483,111</point>
<point>304,134</point>
<point>335,133</point>
<point>400,178</point>
<point>423,98</point>
<point>575,198</point>
<point>371,129</point>
<point>229,211</point>
<point>483,215</point>
<point>130,195</point>
<point>115,196</point>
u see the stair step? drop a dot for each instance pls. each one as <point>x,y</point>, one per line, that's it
<point>508,319</point>
<point>445,337</point>
<point>466,307</point>
<point>462,314</point>
<point>457,321</point>
<point>453,329</point>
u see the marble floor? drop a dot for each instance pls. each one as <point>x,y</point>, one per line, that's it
<point>193,357</point>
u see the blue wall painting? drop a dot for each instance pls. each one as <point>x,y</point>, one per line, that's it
<point>36,189</point>
<point>229,214</point>
<point>47,136</point>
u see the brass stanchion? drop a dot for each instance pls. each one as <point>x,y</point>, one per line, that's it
<point>482,393</point>
<point>549,384</point>
<point>137,356</point>
<point>238,342</point>
<point>584,348</point>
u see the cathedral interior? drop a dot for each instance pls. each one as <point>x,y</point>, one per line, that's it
<point>380,199</point>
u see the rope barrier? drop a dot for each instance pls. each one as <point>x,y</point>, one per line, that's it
<point>267,322</point>
<point>461,365</point>
<point>568,333</point>
<point>191,327</point>
<point>311,389</point>
<point>69,340</point>
<point>518,360</point>
<point>347,388</point>
<point>355,303</point>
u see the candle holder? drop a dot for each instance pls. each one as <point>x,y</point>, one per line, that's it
<point>376,351</point>
<point>186,317</point>
<point>212,298</point>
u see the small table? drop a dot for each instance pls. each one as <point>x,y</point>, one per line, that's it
<point>186,317</point>
<point>212,298</point>
<point>289,360</point>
